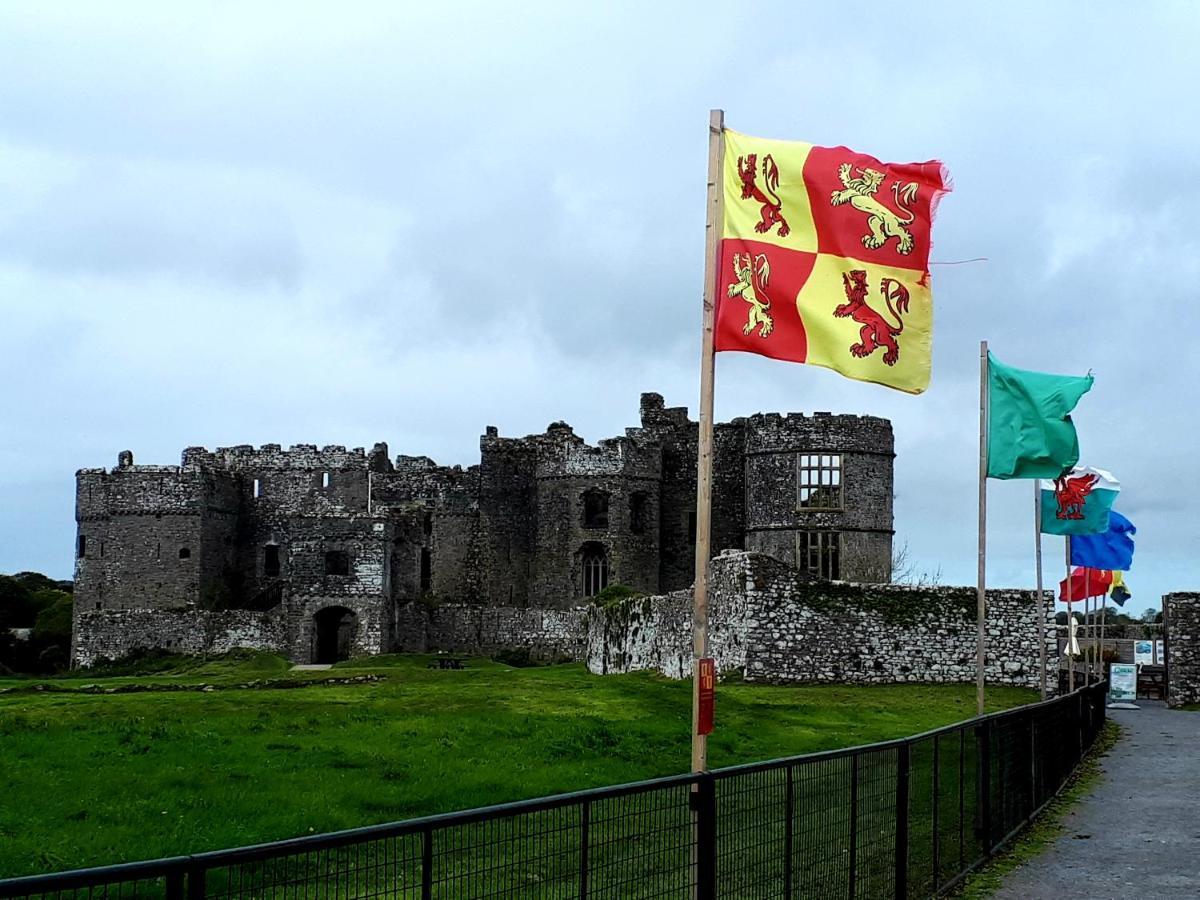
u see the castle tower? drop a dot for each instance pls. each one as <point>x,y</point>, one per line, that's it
<point>818,493</point>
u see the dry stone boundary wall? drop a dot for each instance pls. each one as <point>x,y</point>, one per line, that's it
<point>773,624</point>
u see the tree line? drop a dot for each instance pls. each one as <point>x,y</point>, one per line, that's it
<point>35,624</point>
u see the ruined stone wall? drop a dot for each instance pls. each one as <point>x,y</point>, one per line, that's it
<point>774,624</point>
<point>546,633</point>
<point>656,632</point>
<point>1182,616</point>
<point>113,634</point>
<point>617,469</point>
<point>677,435</point>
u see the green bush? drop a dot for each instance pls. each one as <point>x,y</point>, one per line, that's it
<point>616,593</point>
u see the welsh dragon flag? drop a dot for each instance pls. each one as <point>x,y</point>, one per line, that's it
<point>824,259</point>
<point>1078,502</point>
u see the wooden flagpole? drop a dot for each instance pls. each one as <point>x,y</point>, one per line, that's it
<point>712,236</point>
<point>1103,615</point>
<point>1089,656</point>
<point>1041,599</point>
<point>980,598</point>
<point>1070,618</point>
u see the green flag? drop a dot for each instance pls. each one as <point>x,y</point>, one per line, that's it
<point>1030,432</point>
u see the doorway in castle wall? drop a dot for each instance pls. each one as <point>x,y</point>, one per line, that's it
<point>334,628</point>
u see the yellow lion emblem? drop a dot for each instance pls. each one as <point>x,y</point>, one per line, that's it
<point>752,274</point>
<point>884,224</point>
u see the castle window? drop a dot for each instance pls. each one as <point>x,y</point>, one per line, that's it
<point>595,569</point>
<point>81,549</point>
<point>637,512</point>
<point>185,553</point>
<point>324,479</point>
<point>426,569</point>
<point>102,549</point>
<point>337,562</point>
<point>271,561</point>
<point>819,553</point>
<point>257,488</point>
<point>427,525</point>
<point>819,481</point>
<point>595,509</point>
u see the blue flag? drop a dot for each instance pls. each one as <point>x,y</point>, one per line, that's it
<point>1112,549</point>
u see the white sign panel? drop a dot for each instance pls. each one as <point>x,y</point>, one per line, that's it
<point>1122,682</point>
<point>1160,652</point>
<point>1143,653</point>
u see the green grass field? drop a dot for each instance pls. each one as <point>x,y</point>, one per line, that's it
<point>91,779</point>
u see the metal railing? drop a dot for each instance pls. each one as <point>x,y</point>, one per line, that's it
<point>903,818</point>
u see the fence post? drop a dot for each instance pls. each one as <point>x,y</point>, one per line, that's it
<point>195,883</point>
<point>854,824</point>
<point>174,884</point>
<point>789,834</point>
<point>705,798</point>
<point>585,818</point>
<point>983,756</point>
<point>1033,765</point>
<point>427,864</point>
<point>902,769</point>
<point>936,794</point>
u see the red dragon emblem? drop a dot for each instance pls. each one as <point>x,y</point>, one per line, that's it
<point>876,331</point>
<point>1071,494</point>
<point>771,206</point>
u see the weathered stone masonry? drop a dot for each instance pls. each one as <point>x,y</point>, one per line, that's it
<point>336,543</point>
<point>1182,615</point>
<point>774,624</point>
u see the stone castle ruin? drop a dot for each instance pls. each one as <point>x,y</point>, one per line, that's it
<point>326,553</point>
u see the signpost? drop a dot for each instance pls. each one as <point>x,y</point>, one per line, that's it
<point>708,692</point>
<point>1122,683</point>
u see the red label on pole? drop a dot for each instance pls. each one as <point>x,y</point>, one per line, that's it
<point>708,695</point>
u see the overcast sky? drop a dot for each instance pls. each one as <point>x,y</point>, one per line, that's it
<point>356,222</point>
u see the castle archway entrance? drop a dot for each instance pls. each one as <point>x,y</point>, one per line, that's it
<point>333,634</point>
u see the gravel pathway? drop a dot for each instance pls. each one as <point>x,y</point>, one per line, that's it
<point>1137,834</point>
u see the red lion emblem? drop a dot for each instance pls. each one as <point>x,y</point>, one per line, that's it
<point>772,206</point>
<point>876,330</point>
<point>1071,493</point>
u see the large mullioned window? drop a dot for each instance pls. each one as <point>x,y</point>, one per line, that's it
<point>819,481</point>
<point>819,553</point>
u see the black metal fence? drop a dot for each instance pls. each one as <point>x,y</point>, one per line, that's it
<point>904,818</point>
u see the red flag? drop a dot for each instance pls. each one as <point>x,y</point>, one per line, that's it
<point>1085,583</point>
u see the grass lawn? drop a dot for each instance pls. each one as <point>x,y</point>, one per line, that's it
<point>91,779</point>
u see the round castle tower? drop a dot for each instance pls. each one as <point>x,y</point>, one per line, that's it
<point>819,493</point>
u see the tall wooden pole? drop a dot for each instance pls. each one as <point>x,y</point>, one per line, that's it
<point>1089,654</point>
<point>1041,599</point>
<point>1070,619</point>
<point>712,237</point>
<point>980,598</point>
<point>1103,615</point>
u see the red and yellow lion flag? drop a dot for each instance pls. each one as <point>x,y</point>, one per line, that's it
<point>824,259</point>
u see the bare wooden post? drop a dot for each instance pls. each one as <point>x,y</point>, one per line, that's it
<point>712,238</point>
<point>1103,615</point>
<point>1089,654</point>
<point>1070,619</point>
<point>981,597</point>
<point>1041,600</point>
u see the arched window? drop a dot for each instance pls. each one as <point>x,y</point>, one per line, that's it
<point>595,509</point>
<point>595,569</point>
<point>185,553</point>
